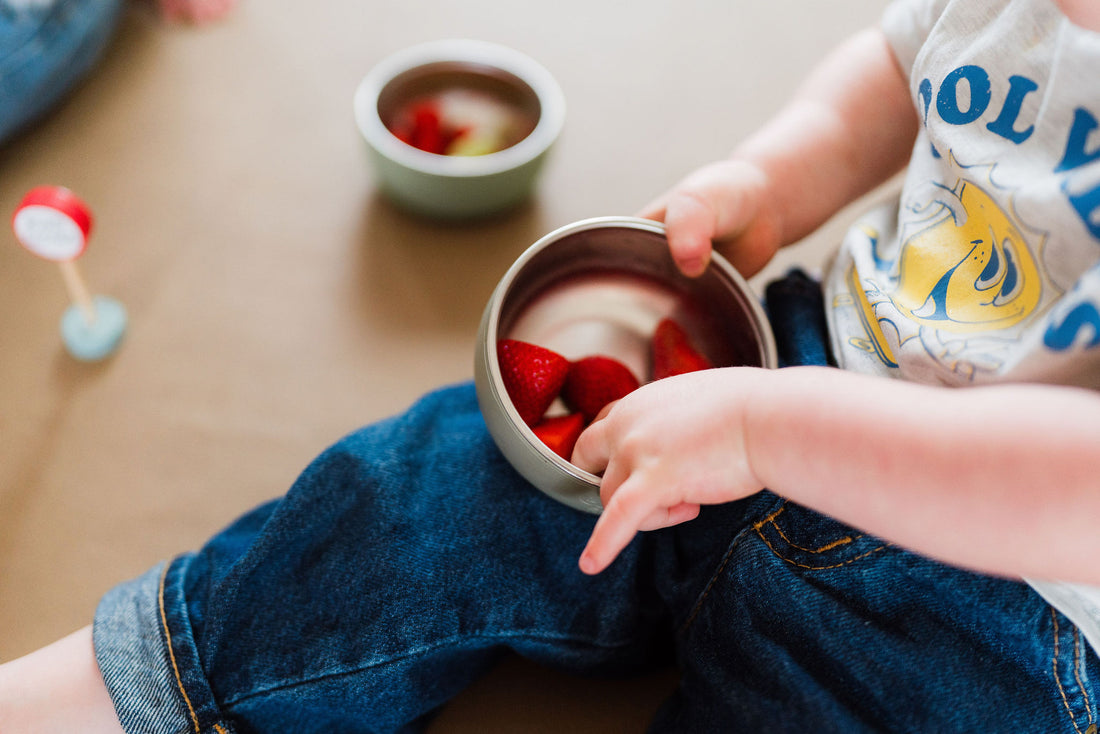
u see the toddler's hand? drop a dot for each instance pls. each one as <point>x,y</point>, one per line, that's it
<point>724,203</point>
<point>664,450</point>
<point>195,11</point>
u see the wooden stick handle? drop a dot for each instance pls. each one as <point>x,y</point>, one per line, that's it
<point>78,289</point>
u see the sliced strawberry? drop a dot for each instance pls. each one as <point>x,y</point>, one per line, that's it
<point>594,382</point>
<point>532,376</point>
<point>673,352</point>
<point>560,434</point>
<point>427,129</point>
<point>403,133</point>
<point>451,135</point>
<point>423,125</point>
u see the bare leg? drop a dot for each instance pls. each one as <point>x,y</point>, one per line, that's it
<point>55,689</point>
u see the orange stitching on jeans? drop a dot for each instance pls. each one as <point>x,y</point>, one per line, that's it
<point>770,519</point>
<point>1077,672</point>
<point>718,572</point>
<point>172,654</point>
<point>818,568</point>
<point>827,547</point>
<point>729,554</point>
<point>1057,679</point>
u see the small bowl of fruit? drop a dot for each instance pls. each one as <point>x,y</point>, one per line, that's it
<point>588,314</point>
<point>457,129</point>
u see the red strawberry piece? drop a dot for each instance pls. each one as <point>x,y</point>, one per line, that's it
<point>427,129</point>
<point>403,133</point>
<point>532,376</point>
<point>423,125</point>
<point>673,352</point>
<point>560,434</point>
<point>451,134</point>
<point>595,381</point>
<point>426,115</point>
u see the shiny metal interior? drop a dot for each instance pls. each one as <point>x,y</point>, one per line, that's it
<point>603,290</point>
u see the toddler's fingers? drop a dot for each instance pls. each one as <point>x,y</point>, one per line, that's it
<point>592,452</point>
<point>690,220</point>
<point>666,517</point>
<point>621,519</point>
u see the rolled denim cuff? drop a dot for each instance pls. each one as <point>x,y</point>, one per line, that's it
<point>45,50</point>
<point>148,660</point>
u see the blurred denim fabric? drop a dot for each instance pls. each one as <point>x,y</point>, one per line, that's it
<point>46,48</point>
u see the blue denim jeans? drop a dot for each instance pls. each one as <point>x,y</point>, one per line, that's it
<point>409,557</point>
<point>46,48</point>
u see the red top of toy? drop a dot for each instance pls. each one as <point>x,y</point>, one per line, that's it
<point>53,223</point>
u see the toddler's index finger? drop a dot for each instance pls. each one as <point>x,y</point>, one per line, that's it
<point>617,526</point>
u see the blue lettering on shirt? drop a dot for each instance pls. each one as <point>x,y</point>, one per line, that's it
<point>947,99</point>
<point>1061,336</point>
<point>951,109</point>
<point>1020,87</point>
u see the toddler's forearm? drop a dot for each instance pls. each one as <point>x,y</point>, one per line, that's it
<point>1000,478</point>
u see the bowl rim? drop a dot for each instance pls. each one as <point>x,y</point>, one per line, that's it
<point>546,89</point>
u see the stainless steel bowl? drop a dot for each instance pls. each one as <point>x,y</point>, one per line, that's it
<point>599,286</point>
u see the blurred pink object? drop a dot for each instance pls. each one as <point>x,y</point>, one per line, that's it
<point>195,11</point>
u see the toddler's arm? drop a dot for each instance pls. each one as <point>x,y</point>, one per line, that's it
<point>195,11</point>
<point>848,128</point>
<point>1002,479</point>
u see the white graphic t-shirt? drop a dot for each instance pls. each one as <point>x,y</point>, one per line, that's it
<point>987,267</point>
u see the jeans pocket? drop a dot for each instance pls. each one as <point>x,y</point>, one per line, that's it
<point>806,544</point>
<point>808,624</point>
<point>814,542</point>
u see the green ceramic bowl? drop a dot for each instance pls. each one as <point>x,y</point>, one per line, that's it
<point>458,186</point>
